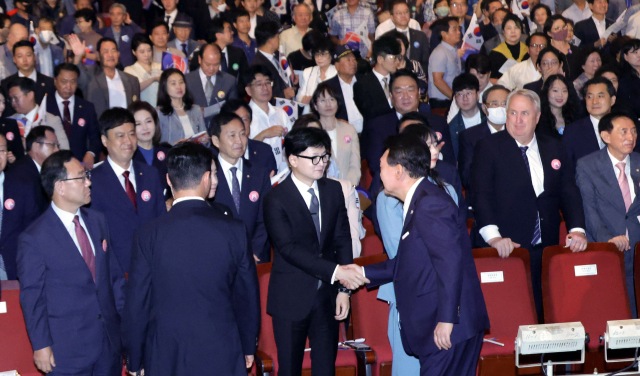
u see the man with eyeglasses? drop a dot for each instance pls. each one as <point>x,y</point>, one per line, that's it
<point>269,124</point>
<point>71,284</point>
<point>591,31</point>
<point>444,63</point>
<point>126,191</point>
<point>465,92</point>
<point>400,20</point>
<point>307,222</point>
<point>458,10</point>
<point>525,71</point>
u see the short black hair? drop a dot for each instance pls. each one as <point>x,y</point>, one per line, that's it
<point>104,40</point>
<point>187,162</point>
<point>214,27</point>
<point>164,100</point>
<point>312,39</point>
<point>505,10</point>
<point>66,67</point>
<point>266,31</point>
<point>324,45</point>
<point>53,170</point>
<point>139,39</point>
<point>402,73</point>
<point>304,121</point>
<point>146,106</point>
<point>398,36</point>
<point>220,120</point>
<point>403,2</point>
<point>299,140</point>
<point>22,43</point>
<point>597,80</point>
<point>547,50</point>
<point>414,116</point>
<point>442,25</point>
<point>609,68</point>
<point>26,84</point>
<point>538,6</point>
<point>480,62</point>
<point>37,134</point>
<point>325,89</point>
<point>158,24</point>
<point>591,1</point>
<point>385,45</point>
<point>113,118</point>
<point>465,81</point>
<point>484,5</point>
<point>240,12</point>
<point>232,105</point>
<point>606,123</point>
<point>87,14</point>
<point>538,34</point>
<point>249,74</point>
<point>514,18</point>
<point>409,152</point>
<point>485,94</point>
<point>421,130</point>
<point>46,19</point>
<point>550,21</point>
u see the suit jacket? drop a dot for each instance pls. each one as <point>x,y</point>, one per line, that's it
<point>450,175</point>
<point>347,155</point>
<point>93,83</point>
<point>63,307</point>
<point>83,138</point>
<point>457,125</point>
<point>6,55</point>
<point>604,208</point>
<point>26,170</point>
<point>192,46</point>
<point>124,44</point>
<point>503,194</point>
<point>587,32</point>
<point>171,126</point>
<point>159,163</point>
<point>237,61</point>
<point>579,139</point>
<point>109,197</point>
<point>419,49</point>
<point>255,179</point>
<point>300,260</point>
<point>260,154</point>
<point>55,123</point>
<point>369,97</point>
<point>9,128</point>
<point>194,253</point>
<point>44,85</point>
<point>16,218</point>
<point>466,143</point>
<point>278,83</point>
<point>223,90</point>
<point>434,275</point>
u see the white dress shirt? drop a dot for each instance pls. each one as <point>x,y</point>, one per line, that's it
<point>67,221</point>
<point>519,75</point>
<point>595,123</point>
<point>574,13</point>
<point>600,25</point>
<point>627,171</point>
<point>388,25</point>
<point>172,18</point>
<point>472,121</point>
<point>203,79</point>
<point>33,76</point>
<point>226,57</point>
<point>117,95</point>
<point>72,101</point>
<point>354,115</point>
<point>493,130</point>
<point>2,186</point>
<point>453,109</point>
<point>272,59</point>
<point>380,77</point>
<point>45,60</point>
<point>409,197</point>
<point>119,171</point>
<point>254,22</point>
<point>261,121</point>
<point>186,198</point>
<point>226,168</point>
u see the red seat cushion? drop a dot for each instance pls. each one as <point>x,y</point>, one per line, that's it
<point>371,245</point>
<point>489,349</point>
<point>15,348</point>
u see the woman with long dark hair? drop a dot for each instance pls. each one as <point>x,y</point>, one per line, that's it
<point>629,82</point>
<point>559,106</point>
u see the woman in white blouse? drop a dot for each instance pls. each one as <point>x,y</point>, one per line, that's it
<point>313,76</point>
<point>180,119</point>
<point>147,72</point>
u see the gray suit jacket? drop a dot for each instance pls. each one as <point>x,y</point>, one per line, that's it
<point>93,83</point>
<point>191,46</point>
<point>172,129</point>
<point>6,57</point>
<point>54,122</point>
<point>224,89</point>
<point>604,208</point>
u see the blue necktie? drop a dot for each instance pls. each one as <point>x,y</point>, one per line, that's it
<point>536,232</point>
<point>235,188</point>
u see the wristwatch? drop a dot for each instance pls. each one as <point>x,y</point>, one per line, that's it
<point>344,290</point>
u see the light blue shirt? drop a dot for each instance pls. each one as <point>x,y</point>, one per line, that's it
<point>444,59</point>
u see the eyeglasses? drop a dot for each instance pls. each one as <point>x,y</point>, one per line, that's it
<point>540,46</point>
<point>495,104</point>
<point>397,58</point>
<point>549,63</point>
<point>465,95</point>
<point>459,5</point>
<point>263,84</point>
<point>52,144</point>
<point>86,175</point>
<point>315,160</point>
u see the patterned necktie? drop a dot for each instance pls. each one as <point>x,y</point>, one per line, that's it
<point>184,49</point>
<point>208,90</point>
<point>66,118</point>
<point>385,81</point>
<point>314,208</point>
<point>85,247</point>
<point>128,187</point>
<point>235,188</point>
<point>223,63</point>
<point>536,231</point>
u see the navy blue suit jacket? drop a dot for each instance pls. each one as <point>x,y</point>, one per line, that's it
<point>16,219</point>
<point>579,139</point>
<point>44,85</point>
<point>449,174</point>
<point>26,170</point>
<point>124,44</point>
<point>159,151</point>
<point>260,154</point>
<point>254,179</point>
<point>503,194</point>
<point>434,275</point>
<point>9,128</point>
<point>192,298</point>
<point>457,125</point>
<point>587,32</point>
<point>63,307</point>
<point>109,197</point>
<point>83,138</point>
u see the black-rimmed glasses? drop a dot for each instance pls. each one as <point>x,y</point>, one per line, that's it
<point>87,176</point>
<point>315,160</point>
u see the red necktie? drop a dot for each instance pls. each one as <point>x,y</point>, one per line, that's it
<point>66,118</point>
<point>85,247</point>
<point>130,191</point>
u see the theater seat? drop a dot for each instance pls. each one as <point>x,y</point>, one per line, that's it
<point>371,245</point>
<point>365,175</point>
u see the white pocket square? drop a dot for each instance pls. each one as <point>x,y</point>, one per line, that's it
<point>405,235</point>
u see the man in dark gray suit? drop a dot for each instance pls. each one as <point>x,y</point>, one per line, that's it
<point>105,85</point>
<point>607,179</point>
<point>209,85</point>
<point>182,29</point>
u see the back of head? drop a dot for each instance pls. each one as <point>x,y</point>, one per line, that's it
<point>37,134</point>
<point>304,121</point>
<point>409,152</point>
<point>311,39</point>
<point>187,162</point>
<point>266,31</point>
<point>232,105</point>
<point>113,118</point>
<point>298,140</point>
<point>216,26</point>
<point>53,170</point>
<point>480,62</point>
<point>87,14</point>
<point>65,67</point>
<point>385,45</point>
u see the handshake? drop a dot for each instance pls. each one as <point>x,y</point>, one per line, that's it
<point>351,276</point>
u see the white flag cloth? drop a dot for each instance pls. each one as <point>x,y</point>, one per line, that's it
<point>473,39</point>
<point>290,107</point>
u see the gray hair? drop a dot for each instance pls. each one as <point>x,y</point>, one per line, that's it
<point>118,5</point>
<point>302,5</point>
<point>530,95</point>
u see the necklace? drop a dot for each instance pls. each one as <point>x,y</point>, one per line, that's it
<point>179,108</point>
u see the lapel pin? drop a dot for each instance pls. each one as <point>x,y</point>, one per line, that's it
<point>81,122</point>
<point>253,196</point>
<point>161,156</point>
<point>80,106</point>
<point>141,174</point>
<point>9,204</point>
<point>439,136</point>
<point>247,175</point>
<point>555,164</point>
<point>9,136</point>
<point>134,98</point>
<point>42,84</point>
<point>255,152</point>
<point>146,196</point>
<point>347,139</point>
<point>104,245</point>
<point>411,211</point>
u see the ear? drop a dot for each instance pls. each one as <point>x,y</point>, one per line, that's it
<point>293,160</point>
<point>613,100</point>
<point>484,109</point>
<point>58,188</point>
<point>606,137</point>
<point>104,140</point>
<point>215,141</point>
<point>206,180</point>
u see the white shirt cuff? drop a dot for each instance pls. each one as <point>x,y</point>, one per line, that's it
<point>489,232</point>
<point>440,157</point>
<point>333,276</point>
<point>577,229</point>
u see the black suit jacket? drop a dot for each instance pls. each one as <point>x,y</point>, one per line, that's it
<point>579,139</point>
<point>44,85</point>
<point>237,61</point>
<point>26,170</point>
<point>419,49</point>
<point>160,163</point>
<point>9,128</point>
<point>466,143</point>
<point>299,259</point>
<point>587,32</point>
<point>260,154</point>
<point>342,109</point>
<point>504,195</point>
<point>85,137</point>
<point>278,83</point>
<point>369,97</point>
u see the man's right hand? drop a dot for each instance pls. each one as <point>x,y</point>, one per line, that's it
<point>351,276</point>
<point>289,92</point>
<point>504,246</point>
<point>621,242</point>
<point>44,359</point>
<point>274,131</point>
<point>77,47</point>
<point>600,43</point>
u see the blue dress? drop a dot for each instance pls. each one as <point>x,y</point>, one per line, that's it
<point>390,217</point>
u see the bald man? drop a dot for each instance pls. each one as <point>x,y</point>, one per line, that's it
<point>210,86</point>
<point>17,32</point>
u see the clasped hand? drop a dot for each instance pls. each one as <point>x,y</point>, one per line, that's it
<point>351,276</point>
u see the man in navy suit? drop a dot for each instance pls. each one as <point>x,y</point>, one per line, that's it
<point>71,290</point>
<point>257,152</point>
<point>19,210</point>
<point>78,116</point>
<point>127,192</point>
<point>121,32</point>
<point>241,185</point>
<point>191,255</point>
<point>591,31</point>
<point>465,92</point>
<point>520,183</point>
<point>441,308</point>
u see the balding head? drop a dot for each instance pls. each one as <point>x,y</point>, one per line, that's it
<point>17,32</point>
<point>209,59</point>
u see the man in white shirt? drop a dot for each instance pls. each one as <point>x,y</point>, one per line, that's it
<point>478,65</point>
<point>578,11</point>
<point>269,124</point>
<point>465,94</point>
<point>346,65</point>
<point>400,20</point>
<point>291,39</point>
<point>525,71</point>
<point>591,31</point>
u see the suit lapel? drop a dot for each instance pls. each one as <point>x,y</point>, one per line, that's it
<point>606,169</point>
<point>224,192</point>
<point>69,248</point>
<point>512,152</point>
<point>297,201</point>
<point>196,87</point>
<point>114,182</point>
<point>127,87</point>
<point>101,79</point>
<point>325,207</point>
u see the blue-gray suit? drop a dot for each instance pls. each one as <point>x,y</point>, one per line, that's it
<point>604,208</point>
<point>223,89</point>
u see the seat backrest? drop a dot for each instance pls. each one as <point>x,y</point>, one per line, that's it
<point>590,299</point>
<point>371,245</point>
<point>365,175</point>
<point>15,348</point>
<point>510,302</point>
<point>636,272</point>
<point>266,340</point>
<point>369,314</point>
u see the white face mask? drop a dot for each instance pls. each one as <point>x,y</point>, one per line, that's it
<point>222,7</point>
<point>497,115</point>
<point>46,36</point>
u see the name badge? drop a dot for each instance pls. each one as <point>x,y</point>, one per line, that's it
<point>583,270</point>
<point>491,277</point>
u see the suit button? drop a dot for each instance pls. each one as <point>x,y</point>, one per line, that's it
<point>99,316</point>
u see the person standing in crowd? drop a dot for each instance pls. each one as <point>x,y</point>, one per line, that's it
<point>629,82</point>
<point>322,71</point>
<point>549,63</point>
<point>233,60</point>
<point>558,105</point>
<point>343,82</point>
<point>241,185</point>
<point>182,29</point>
<point>24,13</point>
<point>478,65</point>
<point>159,35</point>
<point>49,54</point>
<point>72,305</point>
<point>303,58</point>
<point>192,246</point>
<point>127,192</point>
<point>268,37</point>
<point>610,219</point>
<point>144,69</point>
<point>444,63</point>
<point>353,16</point>
<point>591,31</point>
<point>180,117</point>
<point>86,19</point>
<point>512,50</point>
<point>54,10</point>
<point>170,14</point>
<point>251,6</point>
<point>590,61</point>
<point>17,33</point>
<point>578,11</point>
<point>557,29</point>
<point>121,32</point>
<point>525,71</point>
<point>465,92</point>
<point>242,24</point>
<point>11,130</point>
<point>412,65</point>
<point>291,39</point>
<point>68,24</point>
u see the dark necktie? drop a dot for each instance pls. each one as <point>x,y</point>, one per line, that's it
<point>85,247</point>
<point>168,18</point>
<point>536,231</point>
<point>314,208</point>
<point>66,118</point>
<point>235,188</point>
<point>184,49</point>
<point>128,187</point>
<point>223,63</point>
